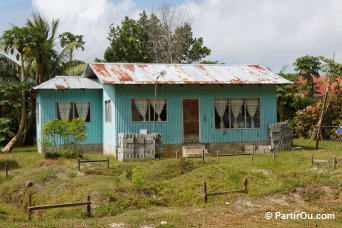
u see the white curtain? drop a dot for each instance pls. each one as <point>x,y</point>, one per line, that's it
<point>158,106</point>
<point>82,109</point>
<point>220,106</point>
<point>236,105</point>
<point>252,105</point>
<point>64,110</point>
<point>142,105</point>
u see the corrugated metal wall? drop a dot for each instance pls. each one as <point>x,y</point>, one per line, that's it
<point>172,130</point>
<point>48,98</point>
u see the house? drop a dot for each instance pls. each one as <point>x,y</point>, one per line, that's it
<point>219,106</point>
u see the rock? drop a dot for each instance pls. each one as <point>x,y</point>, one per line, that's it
<point>163,222</point>
<point>117,225</point>
<point>28,184</point>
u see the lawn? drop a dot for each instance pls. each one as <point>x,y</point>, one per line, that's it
<point>169,193</point>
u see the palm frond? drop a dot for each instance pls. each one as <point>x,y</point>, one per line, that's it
<point>75,70</point>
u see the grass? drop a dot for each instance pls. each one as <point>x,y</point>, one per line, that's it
<point>168,193</point>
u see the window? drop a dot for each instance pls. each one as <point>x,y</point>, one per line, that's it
<point>149,110</point>
<point>37,113</point>
<point>237,113</point>
<point>108,111</point>
<point>72,110</point>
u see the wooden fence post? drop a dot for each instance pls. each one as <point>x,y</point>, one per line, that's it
<point>205,192</point>
<point>88,206</point>
<point>312,159</point>
<point>245,183</point>
<point>29,212</point>
<point>6,169</point>
<point>107,162</point>
<point>253,155</point>
<point>203,156</point>
<point>79,165</point>
<point>273,155</point>
<point>218,157</point>
<point>334,162</point>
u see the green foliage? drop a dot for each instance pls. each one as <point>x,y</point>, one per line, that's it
<point>290,99</point>
<point>68,38</point>
<point>9,70</point>
<point>128,42</point>
<point>308,67</point>
<point>4,129</point>
<point>61,137</point>
<point>307,118</point>
<point>149,39</point>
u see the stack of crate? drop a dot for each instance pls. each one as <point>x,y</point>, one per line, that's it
<point>281,136</point>
<point>139,145</point>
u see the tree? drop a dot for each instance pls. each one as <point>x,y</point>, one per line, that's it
<point>308,67</point>
<point>18,41</point>
<point>42,47</point>
<point>9,69</point>
<point>168,39</point>
<point>68,38</point>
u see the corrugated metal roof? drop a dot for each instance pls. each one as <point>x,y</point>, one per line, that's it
<point>126,73</point>
<point>69,82</point>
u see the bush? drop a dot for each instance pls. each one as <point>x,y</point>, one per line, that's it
<point>60,138</point>
<point>306,119</point>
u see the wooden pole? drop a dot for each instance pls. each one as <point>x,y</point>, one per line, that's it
<point>273,155</point>
<point>88,206</point>
<point>245,183</point>
<point>205,192</point>
<point>218,157</point>
<point>334,162</point>
<point>29,212</point>
<point>203,156</point>
<point>79,165</point>
<point>6,169</point>
<point>253,155</point>
<point>107,162</point>
<point>312,159</point>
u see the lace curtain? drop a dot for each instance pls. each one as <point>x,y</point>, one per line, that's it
<point>220,106</point>
<point>252,105</point>
<point>158,106</point>
<point>64,110</point>
<point>82,109</point>
<point>142,105</point>
<point>236,105</point>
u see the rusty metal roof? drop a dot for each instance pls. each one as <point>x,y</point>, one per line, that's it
<point>69,82</point>
<point>127,73</point>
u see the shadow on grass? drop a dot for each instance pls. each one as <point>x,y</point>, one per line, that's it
<point>11,164</point>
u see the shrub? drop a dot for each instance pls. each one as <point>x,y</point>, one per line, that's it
<point>60,138</point>
<point>306,119</point>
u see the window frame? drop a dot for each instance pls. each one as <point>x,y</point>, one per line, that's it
<point>37,113</point>
<point>108,116</point>
<point>149,121</point>
<point>73,110</point>
<point>230,118</point>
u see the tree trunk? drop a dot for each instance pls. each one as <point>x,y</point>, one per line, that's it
<point>19,135</point>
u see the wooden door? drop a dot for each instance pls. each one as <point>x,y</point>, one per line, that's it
<point>190,120</point>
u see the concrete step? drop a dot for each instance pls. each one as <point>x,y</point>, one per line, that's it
<point>194,151</point>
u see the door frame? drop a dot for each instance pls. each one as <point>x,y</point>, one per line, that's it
<point>199,118</point>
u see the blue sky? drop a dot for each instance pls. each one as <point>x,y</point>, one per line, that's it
<point>268,32</point>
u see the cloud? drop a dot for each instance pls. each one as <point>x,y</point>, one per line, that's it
<point>269,32</point>
<point>90,18</point>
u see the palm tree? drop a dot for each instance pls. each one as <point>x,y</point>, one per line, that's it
<point>42,49</point>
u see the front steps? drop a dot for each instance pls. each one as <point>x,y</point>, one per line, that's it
<point>194,151</point>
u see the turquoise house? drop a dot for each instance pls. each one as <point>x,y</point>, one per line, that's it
<point>211,105</point>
